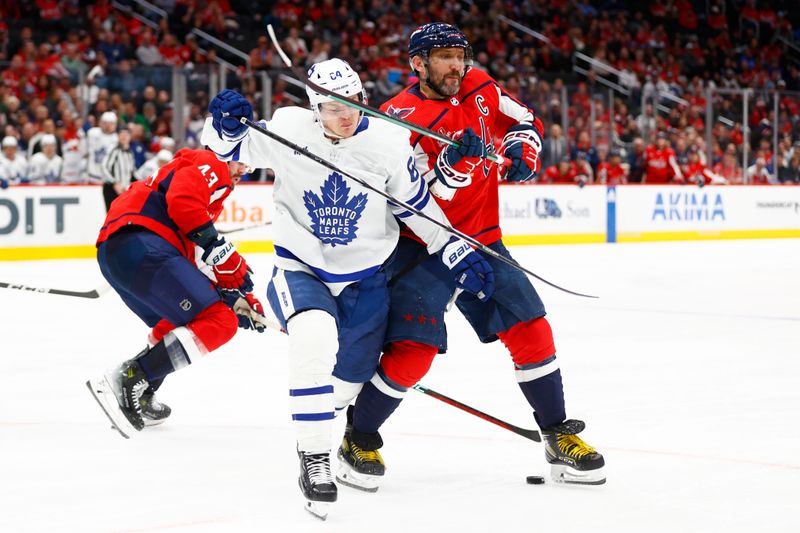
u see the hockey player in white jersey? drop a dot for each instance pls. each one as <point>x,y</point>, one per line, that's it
<point>13,164</point>
<point>45,166</point>
<point>99,141</point>
<point>333,238</point>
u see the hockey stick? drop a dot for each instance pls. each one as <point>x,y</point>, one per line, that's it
<point>453,231</point>
<point>530,434</point>
<point>369,110</point>
<point>245,228</point>
<point>96,293</point>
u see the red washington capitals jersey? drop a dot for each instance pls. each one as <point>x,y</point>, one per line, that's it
<point>185,194</point>
<point>483,106</point>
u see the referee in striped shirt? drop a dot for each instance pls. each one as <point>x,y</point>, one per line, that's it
<point>118,168</point>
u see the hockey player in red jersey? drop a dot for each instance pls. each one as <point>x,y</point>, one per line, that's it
<point>661,166</point>
<point>146,251</point>
<point>465,104</point>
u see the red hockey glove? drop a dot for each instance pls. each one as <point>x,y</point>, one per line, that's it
<point>229,267</point>
<point>522,145</point>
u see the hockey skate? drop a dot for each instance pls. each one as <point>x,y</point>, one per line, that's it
<point>360,465</point>
<point>572,460</point>
<point>153,411</point>
<point>316,482</point>
<point>118,393</point>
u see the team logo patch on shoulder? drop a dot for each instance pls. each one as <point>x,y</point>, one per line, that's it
<point>400,112</point>
<point>334,215</point>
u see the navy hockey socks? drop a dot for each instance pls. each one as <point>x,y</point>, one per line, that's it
<point>373,406</point>
<point>163,359</point>
<point>545,393</point>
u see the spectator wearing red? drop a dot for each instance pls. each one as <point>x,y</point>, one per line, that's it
<point>563,172</point>
<point>612,172</point>
<point>696,172</point>
<point>661,166</point>
<point>757,174</point>
<point>172,52</point>
<point>729,168</point>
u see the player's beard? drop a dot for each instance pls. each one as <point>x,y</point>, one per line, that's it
<point>445,85</point>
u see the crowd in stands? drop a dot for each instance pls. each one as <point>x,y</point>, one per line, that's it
<point>65,64</point>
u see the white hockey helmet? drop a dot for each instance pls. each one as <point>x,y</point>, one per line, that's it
<point>337,76</point>
<point>108,116</point>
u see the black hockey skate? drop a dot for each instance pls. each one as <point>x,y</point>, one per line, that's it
<point>316,482</point>
<point>153,411</point>
<point>360,463</point>
<point>118,393</point>
<point>572,460</point>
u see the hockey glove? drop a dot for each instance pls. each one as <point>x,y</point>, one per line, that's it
<point>470,270</point>
<point>226,109</point>
<point>249,311</point>
<point>3,183</point>
<point>522,144</point>
<point>229,267</point>
<point>455,163</point>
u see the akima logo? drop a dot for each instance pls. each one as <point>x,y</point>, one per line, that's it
<point>334,215</point>
<point>688,206</point>
<point>547,208</point>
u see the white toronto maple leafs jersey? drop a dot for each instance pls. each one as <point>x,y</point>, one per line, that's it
<point>98,144</point>
<point>44,170</point>
<point>327,224</point>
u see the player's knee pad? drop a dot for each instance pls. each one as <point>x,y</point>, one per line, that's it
<point>529,342</point>
<point>406,362</point>
<point>313,343</point>
<point>344,392</point>
<point>214,326</point>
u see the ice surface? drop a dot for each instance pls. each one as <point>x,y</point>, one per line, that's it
<point>686,370</point>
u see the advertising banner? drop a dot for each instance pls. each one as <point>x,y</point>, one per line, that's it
<point>646,213</point>
<point>63,221</point>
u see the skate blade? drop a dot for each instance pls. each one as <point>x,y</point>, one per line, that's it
<point>317,509</point>
<point>150,422</point>
<point>104,395</point>
<point>355,480</point>
<point>570,476</point>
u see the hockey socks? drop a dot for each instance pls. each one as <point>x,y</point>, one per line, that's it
<point>541,385</point>
<point>168,355</point>
<point>375,403</point>
<point>536,368</point>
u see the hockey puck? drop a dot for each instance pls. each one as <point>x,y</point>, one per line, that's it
<point>534,480</point>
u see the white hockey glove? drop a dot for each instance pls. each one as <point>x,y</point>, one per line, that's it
<point>522,145</point>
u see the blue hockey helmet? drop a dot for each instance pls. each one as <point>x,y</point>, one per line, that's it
<point>437,35</point>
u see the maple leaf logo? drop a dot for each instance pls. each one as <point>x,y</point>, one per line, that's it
<point>334,215</point>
